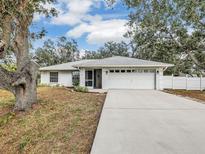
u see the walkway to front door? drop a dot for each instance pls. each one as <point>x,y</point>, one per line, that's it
<point>149,122</point>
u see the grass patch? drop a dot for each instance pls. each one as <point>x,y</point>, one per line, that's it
<point>24,141</point>
<point>62,121</point>
<point>6,99</point>
<point>195,94</point>
<point>6,118</point>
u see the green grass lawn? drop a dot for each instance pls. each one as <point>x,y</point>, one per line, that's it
<point>62,121</point>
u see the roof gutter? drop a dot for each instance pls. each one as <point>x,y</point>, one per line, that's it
<point>123,66</point>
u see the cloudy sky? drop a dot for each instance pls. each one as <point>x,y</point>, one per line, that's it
<point>90,22</point>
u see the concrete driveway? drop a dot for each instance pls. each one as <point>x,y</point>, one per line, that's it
<point>150,122</point>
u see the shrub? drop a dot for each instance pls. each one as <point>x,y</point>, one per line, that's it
<point>56,85</point>
<point>48,85</point>
<point>81,89</point>
<point>76,83</point>
<point>43,85</point>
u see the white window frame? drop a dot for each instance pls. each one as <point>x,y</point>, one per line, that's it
<point>92,80</point>
<point>51,79</point>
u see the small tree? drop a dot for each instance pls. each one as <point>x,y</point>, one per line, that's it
<point>114,49</point>
<point>108,50</point>
<point>52,53</point>
<point>46,55</point>
<point>15,18</point>
<point>67,50</point>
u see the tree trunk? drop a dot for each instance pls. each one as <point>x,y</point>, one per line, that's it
<point>25,85</point>
<point>15,36</point>
<point>25,88</point>
<point>22,84</point>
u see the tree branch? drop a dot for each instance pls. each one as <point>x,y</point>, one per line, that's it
<point>20,81</point>
<point>6,79</point>
<point>189,53</point>
<point>5,40</point>
<point>194,59</point>
<point>10,80</point>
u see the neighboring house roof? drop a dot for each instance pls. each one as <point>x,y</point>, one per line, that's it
<point>63,67</point>
<point>119,61</point>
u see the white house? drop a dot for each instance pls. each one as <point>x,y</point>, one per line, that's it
<point>108,73</point>
<point>61,74</point>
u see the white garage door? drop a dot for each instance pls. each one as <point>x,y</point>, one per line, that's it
<point>131,80</point>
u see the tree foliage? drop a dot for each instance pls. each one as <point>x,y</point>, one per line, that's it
<point>52,53</point>
<point>16,16</point>
<point>108,50</point>
<point>170,31</point>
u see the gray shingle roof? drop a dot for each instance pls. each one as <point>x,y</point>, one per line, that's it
<point>63,67</point>
<point>116,61</point>
<point>119,61</point>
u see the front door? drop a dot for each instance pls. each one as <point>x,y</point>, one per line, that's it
<point>98,78</point>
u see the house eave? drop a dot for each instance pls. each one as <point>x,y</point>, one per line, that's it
<point>126,66</point>
<point>75,69</point>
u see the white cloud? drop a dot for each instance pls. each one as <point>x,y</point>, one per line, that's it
<point>74,11</point>
<point>66,19</point>
<point>99,32</point>
<point>97,28</point>
<point>82,53</point>
<point>36,17</point>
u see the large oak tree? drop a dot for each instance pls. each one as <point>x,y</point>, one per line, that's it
<point>168,30</point>
<point>15,18</point>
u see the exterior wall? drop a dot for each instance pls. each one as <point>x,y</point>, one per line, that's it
<point>159,79</point>
<point>64,78</point>
<point>104,78</point>
<point>82,77</point>
<point>106,81</point>
<point>45,77</point>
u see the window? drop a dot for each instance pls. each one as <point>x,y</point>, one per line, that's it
<point>133,70</point>
<point>122,71</point>
<point>140,71</point>
<point>89,75</point>
<point>88,83</point>
<point>76,78</point>
<point>128,71</point>
<point>146,71</point>
<point>54,77</point>
<point>152,71</point>
<point>89,78</point>
<point>117,71</point>
<point>112,71</point>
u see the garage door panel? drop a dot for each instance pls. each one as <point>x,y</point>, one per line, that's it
<point>131,81</point>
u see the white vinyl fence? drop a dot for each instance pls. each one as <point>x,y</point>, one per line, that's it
<point>188,83</point>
